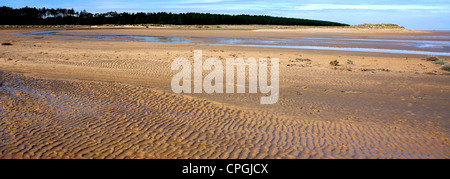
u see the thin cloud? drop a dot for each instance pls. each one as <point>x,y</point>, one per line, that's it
<point>368,7</point>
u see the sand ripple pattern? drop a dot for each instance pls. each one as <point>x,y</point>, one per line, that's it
<point>84,119</point>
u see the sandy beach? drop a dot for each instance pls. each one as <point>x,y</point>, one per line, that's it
<point>91,98</point>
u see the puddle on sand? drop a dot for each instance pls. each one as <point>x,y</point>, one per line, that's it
<point>351,49</point>
<point>105,36</point>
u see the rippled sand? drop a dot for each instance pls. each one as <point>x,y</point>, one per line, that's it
<point>104,99</point>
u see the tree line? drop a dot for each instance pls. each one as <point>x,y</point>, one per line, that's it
<point>61,16</point>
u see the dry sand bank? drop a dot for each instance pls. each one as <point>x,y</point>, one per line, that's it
<point>259,32</point>
<point>105,99</point>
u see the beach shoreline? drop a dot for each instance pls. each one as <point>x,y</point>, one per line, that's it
<point>110,99</point>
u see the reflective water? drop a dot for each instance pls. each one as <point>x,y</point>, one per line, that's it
<point>420,45</point>
<point>355,49</point>
<point>105,36</point>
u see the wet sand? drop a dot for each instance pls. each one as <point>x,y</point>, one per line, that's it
<point>65,98</point>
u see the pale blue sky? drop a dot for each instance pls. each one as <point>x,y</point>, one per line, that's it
<point>413,14</point>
